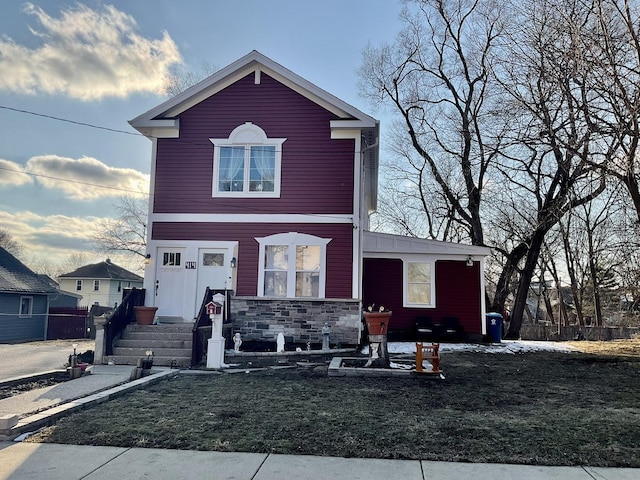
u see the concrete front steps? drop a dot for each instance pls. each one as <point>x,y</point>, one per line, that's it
<point>170,343</point>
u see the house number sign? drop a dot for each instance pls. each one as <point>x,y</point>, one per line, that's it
<point>190,265</point>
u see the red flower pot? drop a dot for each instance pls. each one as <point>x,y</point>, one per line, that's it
<point>145,315</point>
<point>377,322</point>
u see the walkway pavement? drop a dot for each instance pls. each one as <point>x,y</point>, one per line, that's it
<point>25,461</point>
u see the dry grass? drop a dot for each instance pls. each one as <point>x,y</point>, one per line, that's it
<point>534,408</point>
<point>625,348</point>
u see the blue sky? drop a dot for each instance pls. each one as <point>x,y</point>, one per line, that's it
<point>103,64</point>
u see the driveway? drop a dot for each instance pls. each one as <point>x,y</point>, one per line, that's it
<point>34,357</point>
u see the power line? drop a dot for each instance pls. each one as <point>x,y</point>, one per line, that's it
<point>60,119</point>
<point>136,134</point>
<point>70,181</point>
<point>171,197</point>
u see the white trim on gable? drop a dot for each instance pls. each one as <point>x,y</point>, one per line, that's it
<point>157,121</point>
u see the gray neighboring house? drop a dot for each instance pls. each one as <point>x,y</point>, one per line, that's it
<point>24,301</point>
<point>100,283</point>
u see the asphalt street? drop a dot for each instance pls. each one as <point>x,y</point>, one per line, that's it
<point>19,359</point>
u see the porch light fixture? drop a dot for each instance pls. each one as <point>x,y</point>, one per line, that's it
<point>469,261</point>
<point>147,258</point>
<point>234,262</point>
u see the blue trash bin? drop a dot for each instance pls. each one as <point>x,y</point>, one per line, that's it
<point>494,327</point>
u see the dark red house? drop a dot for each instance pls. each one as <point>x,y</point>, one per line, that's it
<point>262,184</point>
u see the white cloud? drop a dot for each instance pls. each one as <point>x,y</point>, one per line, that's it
<point>11,174</point>
<point>86,178</point>
<point>87,54</point>
<point>50,240</point>
<point>48,233</point>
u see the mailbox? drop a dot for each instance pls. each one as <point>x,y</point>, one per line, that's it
<point>214,308</point>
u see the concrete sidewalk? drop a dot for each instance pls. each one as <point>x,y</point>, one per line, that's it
<point>70,462</point>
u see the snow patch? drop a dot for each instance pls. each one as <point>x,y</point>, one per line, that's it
<point>506,346</point>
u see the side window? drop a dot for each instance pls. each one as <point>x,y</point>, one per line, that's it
<point>96,285</point>
<point>418,284</point>
<point>78,285</point>
<point>26,306</point>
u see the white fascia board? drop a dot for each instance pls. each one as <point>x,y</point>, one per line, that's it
<point>351,124</point>
<point>164,128</point>
<point>249,218</point>
<point>253,61</point>
<point>377,244</point>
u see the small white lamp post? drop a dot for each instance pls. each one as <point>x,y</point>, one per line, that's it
<point>215,350</point>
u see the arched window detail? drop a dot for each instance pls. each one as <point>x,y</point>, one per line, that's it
<point>247,164</point>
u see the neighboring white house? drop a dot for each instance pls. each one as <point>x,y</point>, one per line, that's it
<point>100,283</point>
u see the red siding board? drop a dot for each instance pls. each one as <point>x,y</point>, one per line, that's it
<point>457,293</point>
<point>339,249</point>
<point>317,172</point>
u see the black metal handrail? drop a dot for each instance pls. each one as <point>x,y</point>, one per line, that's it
<point>122,316</point>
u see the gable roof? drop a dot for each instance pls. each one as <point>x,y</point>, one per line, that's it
<point>16,277</point>
<point>103,270</point>
<point>162,120</point>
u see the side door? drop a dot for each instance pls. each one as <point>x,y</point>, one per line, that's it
<point>170,282</point>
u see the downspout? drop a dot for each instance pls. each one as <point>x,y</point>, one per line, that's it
<point>363,213</point>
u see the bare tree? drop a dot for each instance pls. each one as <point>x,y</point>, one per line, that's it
<point>436,77</point>
<point>554,146</point>
<point>612,51</point>
<point>128,232</point>
<point>180,80</point>
<point>10,244</point>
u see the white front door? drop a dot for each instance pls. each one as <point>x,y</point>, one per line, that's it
<point>214,269</point>
<point>170,282</point>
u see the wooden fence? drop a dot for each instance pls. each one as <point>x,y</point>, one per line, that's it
<point>67,323</point>
<point>576,332</point>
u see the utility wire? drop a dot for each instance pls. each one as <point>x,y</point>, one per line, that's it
<point>70,121</point>
<point>170,197</point>
<point>70,181</point>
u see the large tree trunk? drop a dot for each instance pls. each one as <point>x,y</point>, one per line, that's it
<point>508,271</point>
<point>523,286</point>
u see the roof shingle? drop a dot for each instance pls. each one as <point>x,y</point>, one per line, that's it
<point>16,277</point>
<point>103,270</point>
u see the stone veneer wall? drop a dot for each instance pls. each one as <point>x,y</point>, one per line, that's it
<point>300,321</point>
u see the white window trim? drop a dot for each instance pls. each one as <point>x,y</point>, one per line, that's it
<point>96,285</point>
<point>78,284</point>
<point>26,315</point>
<point>405,283</point>
<point>247,135</point>
<point>292,240</point>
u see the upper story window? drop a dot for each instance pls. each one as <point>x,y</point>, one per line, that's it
<point>78,285</point>
<point>247,163</point>
<point>96,285</point>
<point>419,287</point>
<point>292,265</point>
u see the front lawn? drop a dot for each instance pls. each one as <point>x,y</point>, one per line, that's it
<point>535,408</point>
